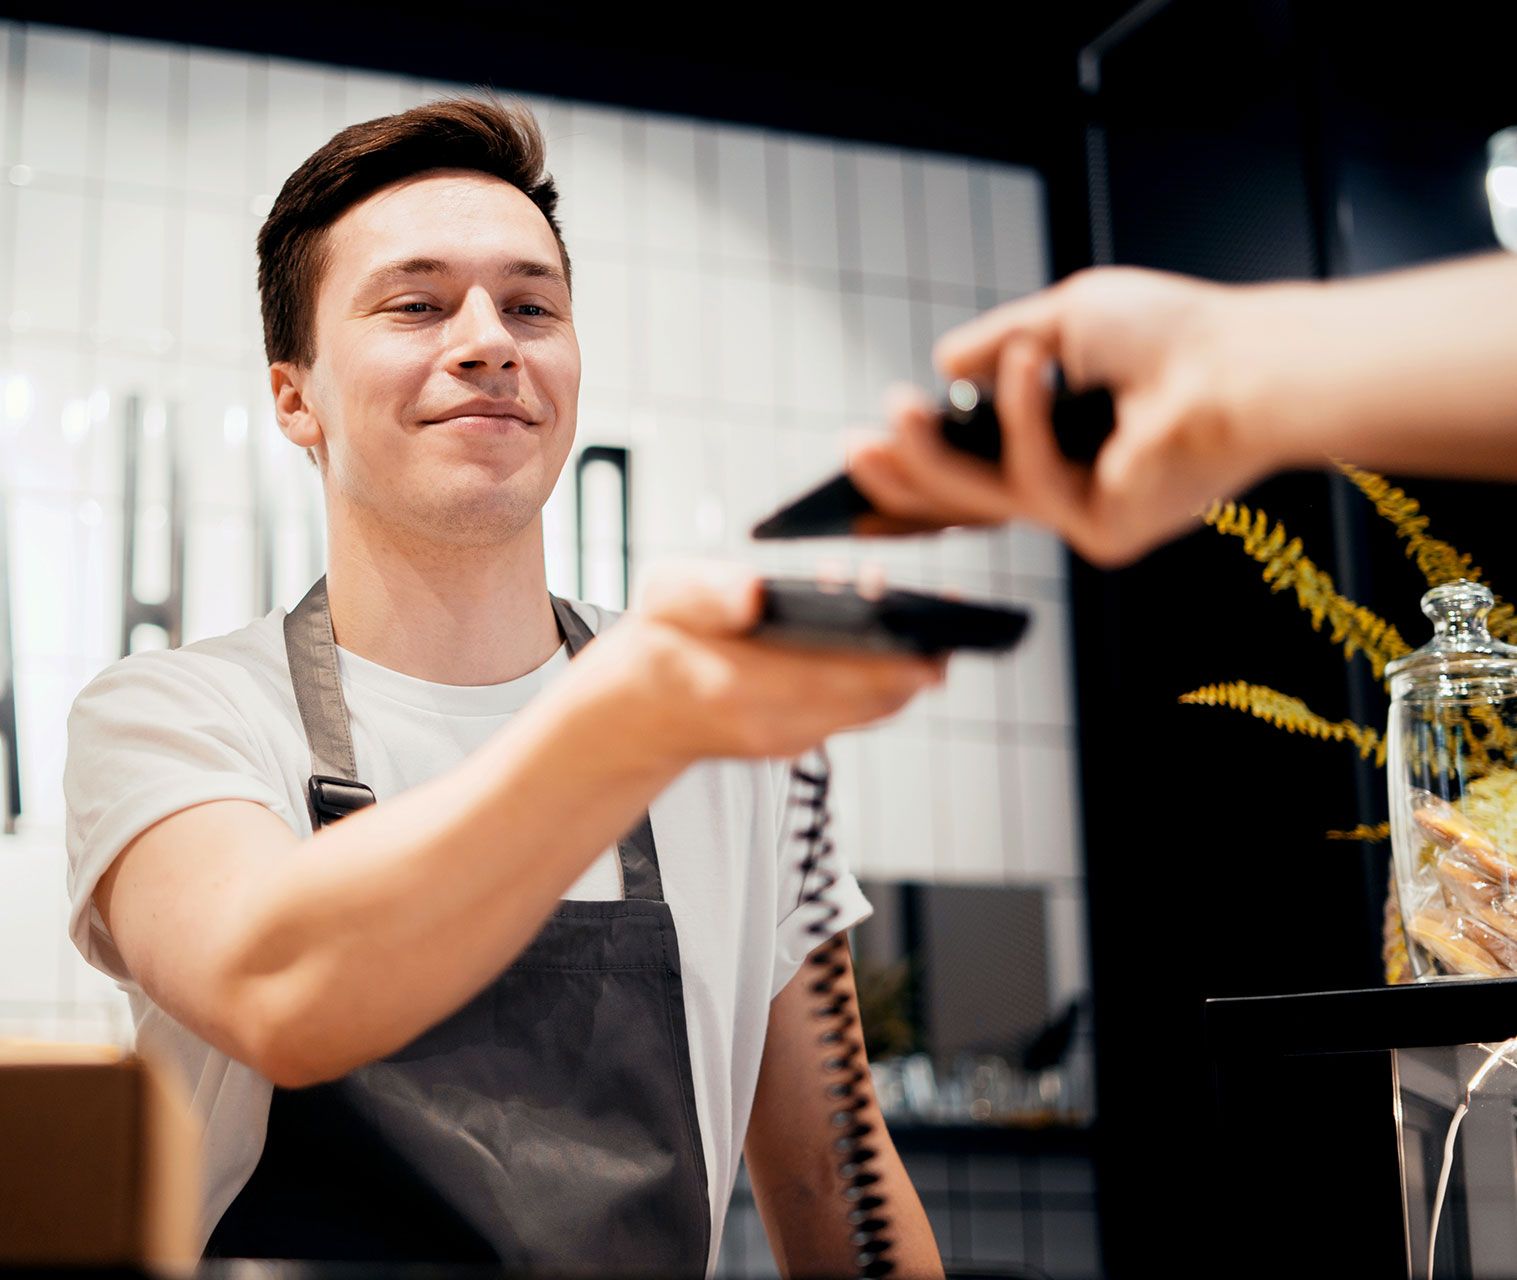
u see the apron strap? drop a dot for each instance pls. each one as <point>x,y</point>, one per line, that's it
<point>638,853</point>
<point>334,790</point>
<point>576,634</point>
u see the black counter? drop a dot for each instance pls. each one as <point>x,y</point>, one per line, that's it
<point>1305,1176</point>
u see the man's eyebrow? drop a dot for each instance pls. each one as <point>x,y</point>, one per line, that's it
<point>533,269</point>
<point>397,272</point>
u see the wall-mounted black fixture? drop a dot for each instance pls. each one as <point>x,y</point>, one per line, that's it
<point>263,527</point>
<point>9,743</point>
<point>166,613</point>
<point>603,517</point>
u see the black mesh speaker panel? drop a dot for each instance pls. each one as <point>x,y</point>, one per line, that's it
<point>1195,157</point>
<point>984,954</point>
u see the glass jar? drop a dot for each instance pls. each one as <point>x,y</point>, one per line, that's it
<point>1452,764</point>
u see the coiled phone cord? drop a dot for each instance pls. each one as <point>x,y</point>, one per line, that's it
<point>843,1039</point>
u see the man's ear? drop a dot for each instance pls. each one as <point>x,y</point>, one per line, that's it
<point>295,414</point>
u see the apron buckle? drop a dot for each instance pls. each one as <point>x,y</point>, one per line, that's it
<point>333,798</point>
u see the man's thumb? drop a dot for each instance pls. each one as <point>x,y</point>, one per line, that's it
<point>703,596</point>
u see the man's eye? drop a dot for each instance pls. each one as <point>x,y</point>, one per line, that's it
<point>415,308</point>
<point>531,308</point>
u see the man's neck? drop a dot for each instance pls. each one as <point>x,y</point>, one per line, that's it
<point>451,615</point>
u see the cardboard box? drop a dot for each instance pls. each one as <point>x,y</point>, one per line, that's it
<point>99,1160</point>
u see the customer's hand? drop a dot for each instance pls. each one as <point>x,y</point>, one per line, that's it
<point>1161,344</point>
<point>696,686</point>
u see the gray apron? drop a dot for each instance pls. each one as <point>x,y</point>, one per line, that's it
<point>549,1125</point>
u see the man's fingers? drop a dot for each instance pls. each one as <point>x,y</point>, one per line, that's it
<point>887,681</point>
<point>703,596</point>
<point>973,349</point>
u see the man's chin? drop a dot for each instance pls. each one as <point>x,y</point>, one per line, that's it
<point>462,520</point>
<point>482,524</point>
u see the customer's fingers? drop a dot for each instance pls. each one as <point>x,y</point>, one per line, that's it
<point>962,489</point>
<point>907,405</point>
<point>1046,486</point>
<point>878,472</point>
<point>973,349</point>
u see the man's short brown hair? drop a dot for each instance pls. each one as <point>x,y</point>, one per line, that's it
<point>455,133</point>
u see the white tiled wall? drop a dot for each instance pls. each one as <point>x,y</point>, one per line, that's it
<point>741,297</point>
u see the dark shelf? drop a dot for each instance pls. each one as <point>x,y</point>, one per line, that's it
<point>991,1139</point>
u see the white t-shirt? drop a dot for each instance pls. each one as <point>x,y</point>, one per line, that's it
<point>160,731</point>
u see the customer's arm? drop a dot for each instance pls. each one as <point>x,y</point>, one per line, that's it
<point>306,958</point>
<point>791,1161</point>
<point>1215,387</point>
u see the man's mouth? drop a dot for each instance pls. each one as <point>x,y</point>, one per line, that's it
<point>484,415</point>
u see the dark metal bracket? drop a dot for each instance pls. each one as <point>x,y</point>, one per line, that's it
<point>167,613</point>
<point>620,459</point>
<point>9,742</point>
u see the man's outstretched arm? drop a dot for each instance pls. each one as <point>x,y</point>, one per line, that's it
<point>307,958</point>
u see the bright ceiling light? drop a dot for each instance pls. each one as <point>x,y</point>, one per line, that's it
<point>1501,185</point>
<point>1501,182</point>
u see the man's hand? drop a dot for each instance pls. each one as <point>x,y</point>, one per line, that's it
<point>699,686</point>
<point>1151,340</point>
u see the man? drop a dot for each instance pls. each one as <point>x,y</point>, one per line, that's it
<point>1215,387</point>
<point>508,1012</point>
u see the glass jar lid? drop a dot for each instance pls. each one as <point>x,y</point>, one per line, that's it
<point>1458,611</point>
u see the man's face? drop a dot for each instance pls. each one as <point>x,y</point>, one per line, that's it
<point>442,396</point>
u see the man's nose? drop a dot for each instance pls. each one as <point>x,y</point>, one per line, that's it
<point>484,339</point>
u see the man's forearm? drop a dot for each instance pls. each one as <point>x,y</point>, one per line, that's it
<point>379,926</point>
<point>792,1163</point>
<point>808,1231</point>
<point>1414,370</point>
<point>914,1248</point>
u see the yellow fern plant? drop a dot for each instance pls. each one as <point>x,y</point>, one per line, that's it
<point>1438,561</point>
<point>1356,630</point>
<point>1290,714</point>
<point>1287,567</point>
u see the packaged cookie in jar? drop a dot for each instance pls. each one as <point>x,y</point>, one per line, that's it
<point>1452,765</point>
